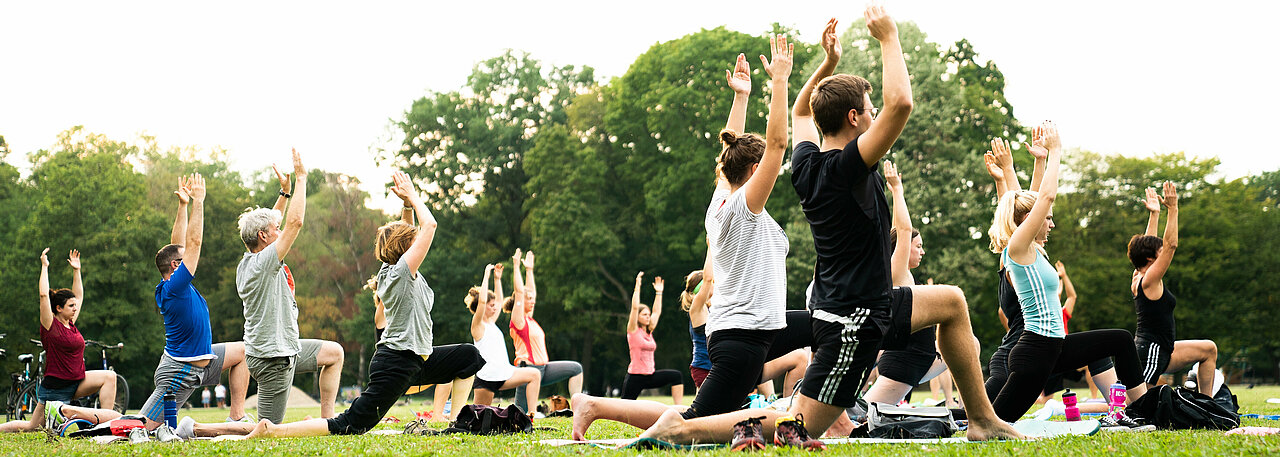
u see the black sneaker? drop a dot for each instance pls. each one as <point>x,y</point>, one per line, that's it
<point>1120,423</point>
<point>747,435</point>
<point>790,431</point>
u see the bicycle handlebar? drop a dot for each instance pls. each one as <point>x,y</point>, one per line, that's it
<point>36,342</point>
<point>104,346</point>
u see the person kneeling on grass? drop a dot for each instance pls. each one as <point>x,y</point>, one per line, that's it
<point>497,374</point>
<point>404,356</point>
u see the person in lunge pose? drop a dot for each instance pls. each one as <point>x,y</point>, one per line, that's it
<point>530,341</point>
<point>842,194</point>
<point>641,373</point>
<point>405,356</point>
<point>497,373</point>
<point>1153,302</point>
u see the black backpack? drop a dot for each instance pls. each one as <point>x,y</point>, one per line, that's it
<point>1181,408</point>
<point>489,420</point>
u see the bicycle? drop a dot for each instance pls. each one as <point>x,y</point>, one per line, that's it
<point>22,401</point>
<point>122,387</point>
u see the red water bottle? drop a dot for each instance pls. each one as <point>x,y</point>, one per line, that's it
<point>1069,400</point>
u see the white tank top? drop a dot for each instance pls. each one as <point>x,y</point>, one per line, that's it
<point>494,351</point>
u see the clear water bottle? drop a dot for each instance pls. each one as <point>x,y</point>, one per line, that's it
<point>1069,401</point>
<point>171,410</point>
<point>1116,399</point>
<point>448,406</point>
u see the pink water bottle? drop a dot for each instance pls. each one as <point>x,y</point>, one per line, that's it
<point>1069,400</point>
<point>1115,401</point>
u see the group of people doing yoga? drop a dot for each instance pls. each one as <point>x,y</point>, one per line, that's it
<point>864,308</point>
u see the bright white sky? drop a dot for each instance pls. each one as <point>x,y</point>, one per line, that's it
<point>328,78</point>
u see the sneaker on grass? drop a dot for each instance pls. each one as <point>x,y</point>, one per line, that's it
<point>747,435</point>
<point>164,434</point>
<point>790,431</point>
<point>138,435</point>
<point>1121,423</point>
<point>186,428</point>
<point>53,417</point>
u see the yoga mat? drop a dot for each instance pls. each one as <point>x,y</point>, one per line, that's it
<point>1047,429</point>
<point>830,441</point>
<point>1273,417</point>
<point>632,443</point>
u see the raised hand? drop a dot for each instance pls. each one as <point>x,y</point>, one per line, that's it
<point>44,258</point>
<point>403,187</point>
<point>1051,140</point>
<point>831,41</point>
<point>515,259</point>
<point>284,179</point>
<point>528,259</point>
<point>658,285</point>
<point>740,77</point>
<point>879,23</point>
<point>993,168</point>
<point>299,170</point>
<point>195,187</point>
<point>1170,196</point>
<point>891,176</point>
<point>1000,151</point>
<point>497,270</point>
<point>74,259</point>
<point>1062,269</point>
<point>780,67</point>
<point>1153,201</point>
<point>487,269</point>
<point>1037,148</point>
<point>184,196</point>
<point>639,276</point>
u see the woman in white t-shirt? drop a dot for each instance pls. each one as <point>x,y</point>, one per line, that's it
<point>497,373</point>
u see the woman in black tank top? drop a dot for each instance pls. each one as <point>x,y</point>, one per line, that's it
<point>1154,338</point>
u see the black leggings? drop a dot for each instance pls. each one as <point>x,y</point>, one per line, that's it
<point>737,358</point>
<point>1035,357</point>
<point>634,383</point>
<point>392,372</point>
<point>797,334</point>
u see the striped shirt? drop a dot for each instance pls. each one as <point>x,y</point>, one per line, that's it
<point>1037,288</point>
<point>748,254</point>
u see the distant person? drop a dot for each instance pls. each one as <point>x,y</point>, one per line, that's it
<point>531,341</point>
<point>220,391</point>
<point>497,374</point>
<point>206,398</point>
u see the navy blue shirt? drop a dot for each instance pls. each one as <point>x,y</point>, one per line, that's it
<point>186,318</point>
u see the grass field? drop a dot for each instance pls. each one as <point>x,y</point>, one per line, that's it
<point>1154,443</point>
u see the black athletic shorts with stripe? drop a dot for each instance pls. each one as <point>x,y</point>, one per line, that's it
<point>1154,358</point>
<point>845,348</point>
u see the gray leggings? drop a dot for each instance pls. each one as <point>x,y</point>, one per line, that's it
<point>552,373</point>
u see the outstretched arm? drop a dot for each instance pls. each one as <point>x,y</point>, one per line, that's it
<point>997,173</point>
<point>497,287</point>
<point>196,189</point>
<point>179,233</point>
<point>297,209</point>
<point>740,81</point>
<point>1069,289</point>
<point>1020,244</point>
<point>284,189</point>
<point>530,289</point>
<point>900,262</point>
<point>874,144</point>
<point>477,318</point>
<point>1041,153</point>
<point>657,303</point>
<point>761,182</point>
<point>517,292</point>
<point>46,313</point>
<point>1002,157</point>
<point>801,113</point>
<point>1153,209</point>
<point>417,251</point>
<point>1156,272</point>
<point>635,305</point>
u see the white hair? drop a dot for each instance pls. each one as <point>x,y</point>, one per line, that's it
<point>257,220</point>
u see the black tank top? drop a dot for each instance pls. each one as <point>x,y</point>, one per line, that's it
<point>1008,298</point>
<point>1155,317</point>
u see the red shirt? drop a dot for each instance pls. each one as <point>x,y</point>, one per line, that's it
<point>64,351</point>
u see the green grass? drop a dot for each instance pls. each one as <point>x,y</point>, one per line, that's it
<point>1155,443</point>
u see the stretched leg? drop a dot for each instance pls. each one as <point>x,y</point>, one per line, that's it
<point>1187,352</point>
<point>484,396</point>
<point>329,361</point>
<point>886,390</point>
<point>946,306</point>
<point>636,413</point>
<point>530,378</point>
<point>1082,348</point>
<point>677,394</point>
<point>441,396</point>
<point>575,385</point>
<point>461,388</point>
<point>96,416</point>
<point>1104,378</point>
<point>275,377</point>
<point>224,428</point>
<point>237,379</point>
<point>311,427</point>
<point>792,365</point>
<point>946,383</point>
<point>102,382</point>
<point>36,422</point>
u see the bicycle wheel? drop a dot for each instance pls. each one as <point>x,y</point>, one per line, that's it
<point>122,395</point>
<point>23,404</point>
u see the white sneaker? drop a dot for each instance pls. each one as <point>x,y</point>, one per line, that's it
<point>164,434</point>
<point>539,415</point>
<point>53,417</point>
<point>186,428</point>
<point>138,435</point>
<point>246,419</point>
<point>1051,408</point>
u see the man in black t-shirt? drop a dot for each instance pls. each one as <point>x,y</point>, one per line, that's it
<point>854,308</point>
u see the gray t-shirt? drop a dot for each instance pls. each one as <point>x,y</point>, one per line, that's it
<point>270,310</point>
<point>408,300</point>
<point>749,256</point>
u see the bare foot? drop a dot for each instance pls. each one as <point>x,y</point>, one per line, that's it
<point>665,427</point>
<point>583,414</point>
<point>993,430</point>
<point>841,428</point>
<point>262,430</point>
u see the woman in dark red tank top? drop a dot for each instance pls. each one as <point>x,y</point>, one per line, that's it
<point>64,375</point>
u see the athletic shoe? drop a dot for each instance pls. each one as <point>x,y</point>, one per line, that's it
<point>53,417</point>
<point>539,415</point>
<point>186,428</point>
<point>246,419</point>
<point>1121,423</point>
<point>164,434</point>
<point>790,431</point>
<point>138,435</point>
<point>747,435</point>
<point>1051,408</point>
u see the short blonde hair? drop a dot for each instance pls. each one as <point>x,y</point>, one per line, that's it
<point>393,240</point>
<point>1013,208</point>
<point>256,220</point>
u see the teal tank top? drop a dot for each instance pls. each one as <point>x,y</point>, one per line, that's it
<point>1037,287</point>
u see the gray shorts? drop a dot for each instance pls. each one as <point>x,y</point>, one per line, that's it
<point>181,378</point>
<point>275,377</point>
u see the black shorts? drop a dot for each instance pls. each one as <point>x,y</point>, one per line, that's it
<point>909,366</point>
<point>492,386</point>
<point>1154,358</point>
<point>898,334</point>
<point>844,350</point>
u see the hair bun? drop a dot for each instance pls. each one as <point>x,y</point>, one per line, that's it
<point>729,137</point>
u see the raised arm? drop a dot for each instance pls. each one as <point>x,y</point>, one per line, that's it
<point>997,173</point>
<point>1020,244</point>
<point>477,318</point>
<point>635,305</point>
<point>1156,272</point>
<point>417,251</point>
<point>530,289</point>
<point>46,313</point>
<point>740,81</point>
<point>1153,209</point>
<point>1069,289</point>
<point>1003,157</point>
<point>1040,152</point>
<point>179,232</point>
<point>658,285</point>
<point>897,103</point>
<point>517,292</point>
<point>900,262</point>
<point>195,229</point>
<point>497,286</point>
<point>297,209</point>
<point>761,182</point>
<point>804,129</point>
<point>284,189</point>
<point>406,215</point>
